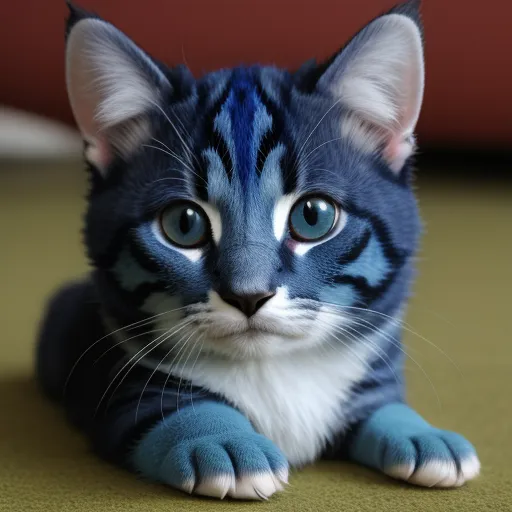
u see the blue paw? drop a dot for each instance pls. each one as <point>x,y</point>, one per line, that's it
<point>400,443</point>
<point>212,450</point>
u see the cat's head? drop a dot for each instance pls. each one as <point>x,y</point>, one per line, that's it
<point>257,210</point>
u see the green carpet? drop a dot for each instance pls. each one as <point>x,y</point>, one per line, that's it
<point>461,303</point>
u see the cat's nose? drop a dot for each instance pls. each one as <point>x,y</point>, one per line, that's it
<point>248,304</point>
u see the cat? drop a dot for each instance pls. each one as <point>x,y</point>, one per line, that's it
<point>252,236</point>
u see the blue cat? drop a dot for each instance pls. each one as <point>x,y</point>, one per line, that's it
<point>252,236</point>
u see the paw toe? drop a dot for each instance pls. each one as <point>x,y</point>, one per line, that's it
<point>214,470</point>
<point>256,487</point>
<point>437,459</point>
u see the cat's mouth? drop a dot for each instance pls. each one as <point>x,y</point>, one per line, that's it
<point>252,329</point>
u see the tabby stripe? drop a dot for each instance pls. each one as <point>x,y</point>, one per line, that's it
<point>108,257</point>
<point>395,257</point>
<point>142,258</point>
<point>211,139</point>
<point>289,161</point>
<point>357,250</point>
<point>268,142</point>
<point>135,298</point>
<point>222,150</point>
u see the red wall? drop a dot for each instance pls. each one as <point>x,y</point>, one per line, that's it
<point>468,49</point>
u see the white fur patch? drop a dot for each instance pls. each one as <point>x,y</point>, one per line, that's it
<point>437,473</point>
<point>214,218</point>
<point>249,487</point>
<point>281,214</point>
<point>296,400</point>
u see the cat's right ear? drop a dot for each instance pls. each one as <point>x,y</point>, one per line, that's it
<point>112,86</point>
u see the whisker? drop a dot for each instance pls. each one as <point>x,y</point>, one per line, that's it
<point>378,351</point>
<point>139,323</point>
<point>425,375</point>
<point>185,145</point>
<point>155,370</point>
<point>124,341</point>
<point>156,343</point>
<point>401,323</point>
<point>315,128</point>
<point>170,154</point>
<point>192,370</point>
<point>181,376</point>
<point>319,146</point>
<point>171,366</point>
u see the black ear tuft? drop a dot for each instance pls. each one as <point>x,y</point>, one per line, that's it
<point>75,15</point>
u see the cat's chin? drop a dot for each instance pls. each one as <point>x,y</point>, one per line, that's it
<point>253,344</point>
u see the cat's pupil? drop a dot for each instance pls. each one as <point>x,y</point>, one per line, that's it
<point>310,212</point>
<point>188,219</point>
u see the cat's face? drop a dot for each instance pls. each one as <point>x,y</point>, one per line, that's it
<point>254,211</point>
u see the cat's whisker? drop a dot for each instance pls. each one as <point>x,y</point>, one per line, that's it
<point>163,144</point>
<point>299,153</point>
<point>192,370</point>
<point>425,374</point>
<point>124,341</point>
<point>133,325</point>
<point>188,167</point>
<point>170,367</point>
<point>306,157</point>
<point>172,154</point>
<point>154,344</point>
<point>172,178</point>
<point>181,376</point>
<point>391,339</point>
<point>156,369</point>
<point>398,322</point>
<point>185,145</point>
<point>378,351</point>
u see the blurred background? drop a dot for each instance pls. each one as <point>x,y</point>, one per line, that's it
<point>461,301</point>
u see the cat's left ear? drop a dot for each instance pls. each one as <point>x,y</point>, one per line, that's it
<point>112,85</point>
<point>379,77</point>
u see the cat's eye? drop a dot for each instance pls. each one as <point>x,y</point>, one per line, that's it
<point>312,218</point>
<point>185,225</point>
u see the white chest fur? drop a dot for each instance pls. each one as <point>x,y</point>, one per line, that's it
<point>296,400</point>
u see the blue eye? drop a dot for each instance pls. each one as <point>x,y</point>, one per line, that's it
<point>312,218</point>
<point>185,225</point>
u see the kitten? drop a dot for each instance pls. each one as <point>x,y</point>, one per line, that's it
<point>252,237</point>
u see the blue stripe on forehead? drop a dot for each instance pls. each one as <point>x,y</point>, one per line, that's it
<point>249,120</point>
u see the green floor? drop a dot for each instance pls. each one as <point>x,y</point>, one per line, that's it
<point>461,303</point>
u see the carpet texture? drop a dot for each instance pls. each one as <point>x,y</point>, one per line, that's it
<point>461,303</point>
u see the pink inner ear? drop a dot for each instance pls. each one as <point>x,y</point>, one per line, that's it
<point>99,154</point>
<point>397,151</point>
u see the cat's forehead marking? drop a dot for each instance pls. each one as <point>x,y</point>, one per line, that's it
<point>243,137</point>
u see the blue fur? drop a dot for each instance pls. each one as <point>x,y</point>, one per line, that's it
<point>238,140</point>
<point>204,441</point>
<point>372,264</point>
<point>395,435</point>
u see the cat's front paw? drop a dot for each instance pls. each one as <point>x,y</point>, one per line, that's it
<point>243,466</point>
<point>435,458</point>
<point>211,450</point>
<point>398,442</point>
